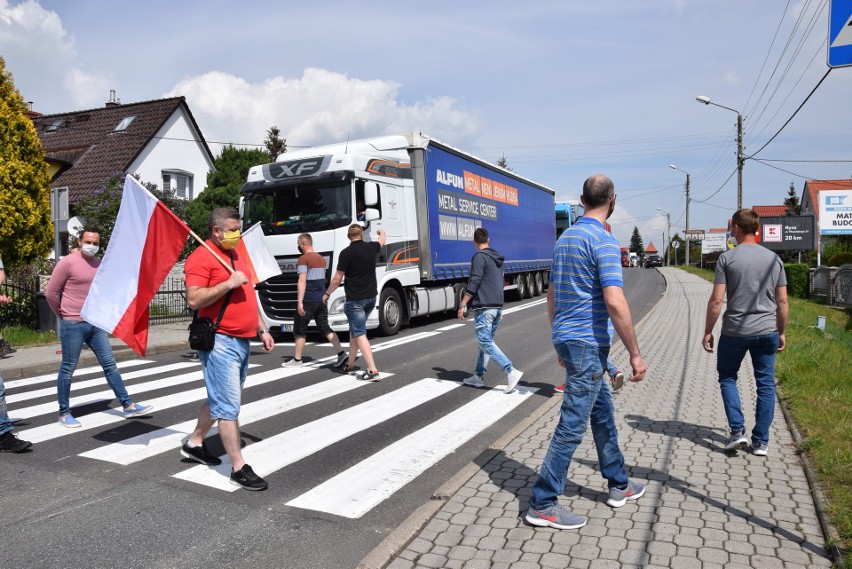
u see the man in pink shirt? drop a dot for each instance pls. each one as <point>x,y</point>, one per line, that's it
<point>69,285</point>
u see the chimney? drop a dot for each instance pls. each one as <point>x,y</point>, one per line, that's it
<point>113,101</point>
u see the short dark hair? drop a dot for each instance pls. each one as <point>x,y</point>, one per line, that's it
<point>597,191</point>
<point>480,235</point>
<point>88,229</point>
<point>221,214</point>
<point>747,219</point>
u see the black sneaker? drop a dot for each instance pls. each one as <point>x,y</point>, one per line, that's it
<point>5,348</point>
<point>200,454</point>
<point>11,443</point>
<point>340,365</point>
<point>368,375</point>
<point>246,478</point>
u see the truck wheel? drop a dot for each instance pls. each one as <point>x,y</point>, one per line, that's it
<point>538,284</point>
<point>528,278</point>
<point>390,312</point>
<point>521,283</point>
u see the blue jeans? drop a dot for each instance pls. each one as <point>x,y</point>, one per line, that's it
<point>731,351</point>
<point>72,336</point>
<point>5,424</point>
<point>587,399</point>
<point>486,321</point>
<point>357,312</point>
<point>225,368</point>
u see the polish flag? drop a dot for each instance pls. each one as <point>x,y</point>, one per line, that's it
<point>252,247</point>
<point>145,244</point>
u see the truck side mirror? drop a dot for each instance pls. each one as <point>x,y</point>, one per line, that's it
<point>371,214</point>
<point>371,193</point>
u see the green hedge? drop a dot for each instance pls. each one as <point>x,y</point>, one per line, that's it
<point>797,279</point>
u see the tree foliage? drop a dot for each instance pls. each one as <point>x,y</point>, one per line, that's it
<point>275,145</point>
<point>636,245</point>
<point>503,162</point>
<point>26,230</point>
<point>229,173</point>
<point>100,208</point>
<point>792,201</point>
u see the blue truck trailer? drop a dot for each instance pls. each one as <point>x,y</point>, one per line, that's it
<point>427,196</point>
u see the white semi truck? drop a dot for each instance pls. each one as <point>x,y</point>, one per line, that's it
<point>427,196</point>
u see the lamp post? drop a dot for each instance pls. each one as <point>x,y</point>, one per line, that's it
<point>668,232</point>
<point>686,232</point>
<point>740,158</point>
<point>663,233</point>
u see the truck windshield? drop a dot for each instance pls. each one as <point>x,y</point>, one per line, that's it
<point>299,208</point>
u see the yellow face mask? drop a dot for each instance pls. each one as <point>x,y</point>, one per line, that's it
<point>230,239</point>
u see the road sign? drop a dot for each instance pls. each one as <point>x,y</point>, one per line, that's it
<point>787,233</point>
<point>675,244</point>
<point>840,33</point>
<point>694,234</point>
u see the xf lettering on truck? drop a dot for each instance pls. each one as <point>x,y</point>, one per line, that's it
<point>295,168</point>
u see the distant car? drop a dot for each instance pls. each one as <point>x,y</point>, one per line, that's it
<point>653,261</point>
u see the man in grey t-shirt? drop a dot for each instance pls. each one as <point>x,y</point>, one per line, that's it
<point>754,322</point>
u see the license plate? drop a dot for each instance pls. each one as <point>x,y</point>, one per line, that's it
<point>286,327</point>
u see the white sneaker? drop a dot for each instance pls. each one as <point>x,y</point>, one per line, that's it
<point>292,362</point>
<point>473,381</point>
<point>514,377</point>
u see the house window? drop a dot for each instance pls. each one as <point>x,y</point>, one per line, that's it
<point>179,182</point>
<point>125,122</point>
<point>55,125</point>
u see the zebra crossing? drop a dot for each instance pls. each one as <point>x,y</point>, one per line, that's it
<point>179,386</point>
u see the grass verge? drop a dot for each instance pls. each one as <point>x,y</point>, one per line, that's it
<point>816,391</point>
<point>21,337</point>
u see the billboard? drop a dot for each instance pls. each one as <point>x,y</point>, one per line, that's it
<point>835,212</point>
<point>788,233</point>
<point>713,243</point>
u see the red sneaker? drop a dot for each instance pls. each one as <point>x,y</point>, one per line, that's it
<point>560,388</point>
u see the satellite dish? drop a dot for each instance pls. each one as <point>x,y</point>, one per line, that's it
<point>75,224</point>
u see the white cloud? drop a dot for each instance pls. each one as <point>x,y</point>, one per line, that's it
<point>320,106</point>
<point>37,48</point>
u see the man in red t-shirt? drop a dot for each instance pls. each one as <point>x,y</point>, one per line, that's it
<point>208,283</point>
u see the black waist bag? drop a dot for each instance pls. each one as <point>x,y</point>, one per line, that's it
<point>202,331</point>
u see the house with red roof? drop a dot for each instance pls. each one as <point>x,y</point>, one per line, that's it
<point>810,194</point>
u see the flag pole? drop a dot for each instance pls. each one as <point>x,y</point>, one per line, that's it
<point>212,252</point>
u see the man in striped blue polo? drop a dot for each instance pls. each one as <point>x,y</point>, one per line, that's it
<point>586,289</point>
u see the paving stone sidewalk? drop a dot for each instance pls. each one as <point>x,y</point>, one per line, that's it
<point>702,508</point>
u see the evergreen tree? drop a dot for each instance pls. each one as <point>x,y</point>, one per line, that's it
<point>636,245</point>
<point>275,145</point>
<point>26,230</point>
<point>792,201</point>
<point>229,173</point>
<point>503,162</point>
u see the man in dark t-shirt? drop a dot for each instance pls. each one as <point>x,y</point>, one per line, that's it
<point>358,264</point>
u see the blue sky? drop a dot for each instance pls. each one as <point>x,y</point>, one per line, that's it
<point>564,89</point>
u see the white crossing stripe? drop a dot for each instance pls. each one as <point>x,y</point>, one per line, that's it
<point>79,371</point>
<point>163,440</point>
<point>525,306</point>
<point>359,489</point>
<point>274,453</point>
<point>80,385</point>
<point>108,395</point>
<point>95,420</point>
<point>450,327</point>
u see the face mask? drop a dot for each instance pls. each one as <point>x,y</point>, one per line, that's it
<point>90,250</point>
<point>229,239</point>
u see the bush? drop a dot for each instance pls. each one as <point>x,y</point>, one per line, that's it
<point>797,279</point>
<point>840,259</point>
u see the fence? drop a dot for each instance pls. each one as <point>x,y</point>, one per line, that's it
<point>832,284</point>
<point>168,305</point>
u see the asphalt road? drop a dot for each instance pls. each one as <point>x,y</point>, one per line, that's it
<point>117,491</point>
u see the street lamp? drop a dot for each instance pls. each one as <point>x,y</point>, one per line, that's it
<point>668,231</point>
<point>686,232</point>
<point>663,233</point>
<point>740,158</point>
